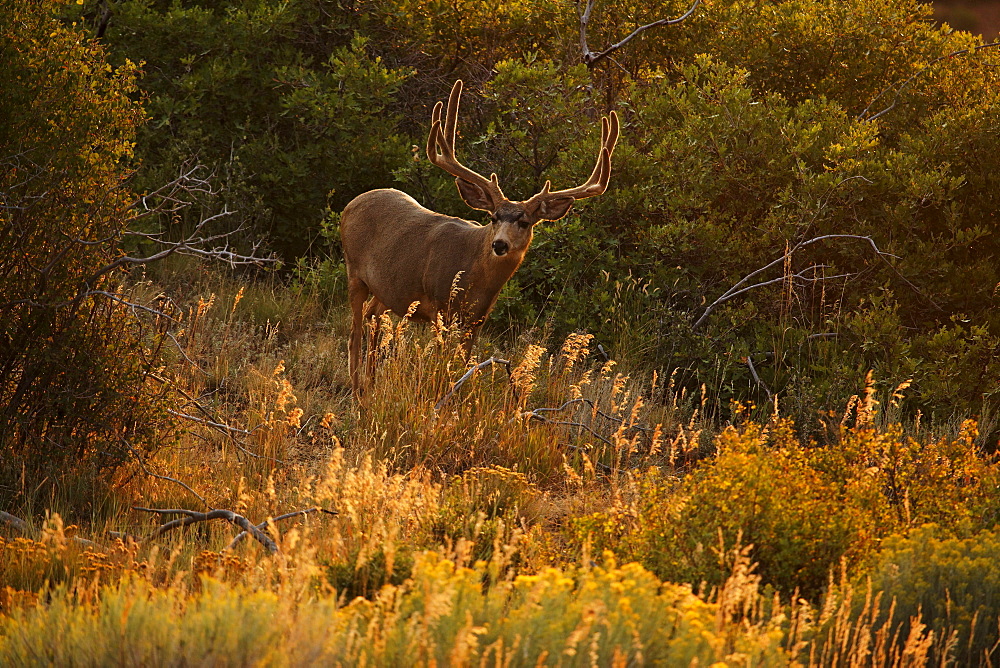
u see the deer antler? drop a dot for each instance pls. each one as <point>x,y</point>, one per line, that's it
<point>598,181</point>
<point>441,148</point>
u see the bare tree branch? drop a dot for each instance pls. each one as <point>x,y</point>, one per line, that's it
<point>210,423</point>
<point>753,371</point>
<point>590,58</point>
<point>263,525</point>
<point>191,245</point>
<point>188,181</point>
<point>167,199</point>
<point>538,415</point>
<point>119,298</point>
<point>741,286</point>
<point>224,428</point>
<point>902,85</point>
<point>14,521</point>
<point>22,526</point>
<point>180,349</point>
<point>570,423</point>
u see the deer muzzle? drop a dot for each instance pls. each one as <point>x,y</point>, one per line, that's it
<point>500,247</point>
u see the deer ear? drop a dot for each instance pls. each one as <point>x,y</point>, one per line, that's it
<point>475,196</point>
<point>555,208</point>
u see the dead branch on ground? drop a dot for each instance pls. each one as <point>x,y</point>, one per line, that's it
<point>22,526</point>
<point>263,525</point>
<point>13,521</point>
<point>189,517</point>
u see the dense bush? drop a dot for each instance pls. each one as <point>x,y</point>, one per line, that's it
<point>803,511</point>
<point>76,366</point>
<point>280,99</point>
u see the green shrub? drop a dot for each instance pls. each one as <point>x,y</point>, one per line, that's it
<point>442,615</point>
<point>950,584</point>
<point>282,100</point>
<point>761,491</point>
<point>802,511</point>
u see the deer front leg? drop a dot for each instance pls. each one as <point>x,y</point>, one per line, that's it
<point>469,341</point>
<point>357,293</point>
<point>373,310</point>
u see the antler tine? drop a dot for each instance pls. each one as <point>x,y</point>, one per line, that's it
<point>451,120</point>
<point>598,181</point>
<point>441,145</point>
<point>432,136</point>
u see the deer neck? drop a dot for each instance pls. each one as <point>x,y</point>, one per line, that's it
<point>488,273</point>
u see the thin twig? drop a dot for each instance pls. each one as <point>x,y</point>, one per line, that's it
<point>568,423</point>
<point>536,413</point>
<point>184,354</point>
<point>209,423</point>
<point>739,288</point>
<point>900,86</point>
<point>753,371</point>
<point>226,429</point>
<point>142,465</point>
<point>121,300</point>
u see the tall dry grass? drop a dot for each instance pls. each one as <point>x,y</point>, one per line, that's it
<point>451,542</point>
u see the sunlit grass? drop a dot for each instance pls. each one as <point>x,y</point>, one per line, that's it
<point>491,523</point>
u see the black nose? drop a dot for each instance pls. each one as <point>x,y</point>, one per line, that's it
<point>500,247</point>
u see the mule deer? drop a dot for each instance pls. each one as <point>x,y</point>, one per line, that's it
<point>403,254</point>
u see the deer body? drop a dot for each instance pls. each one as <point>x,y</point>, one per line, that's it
<point>399,253</point>
<point>382,228</point>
